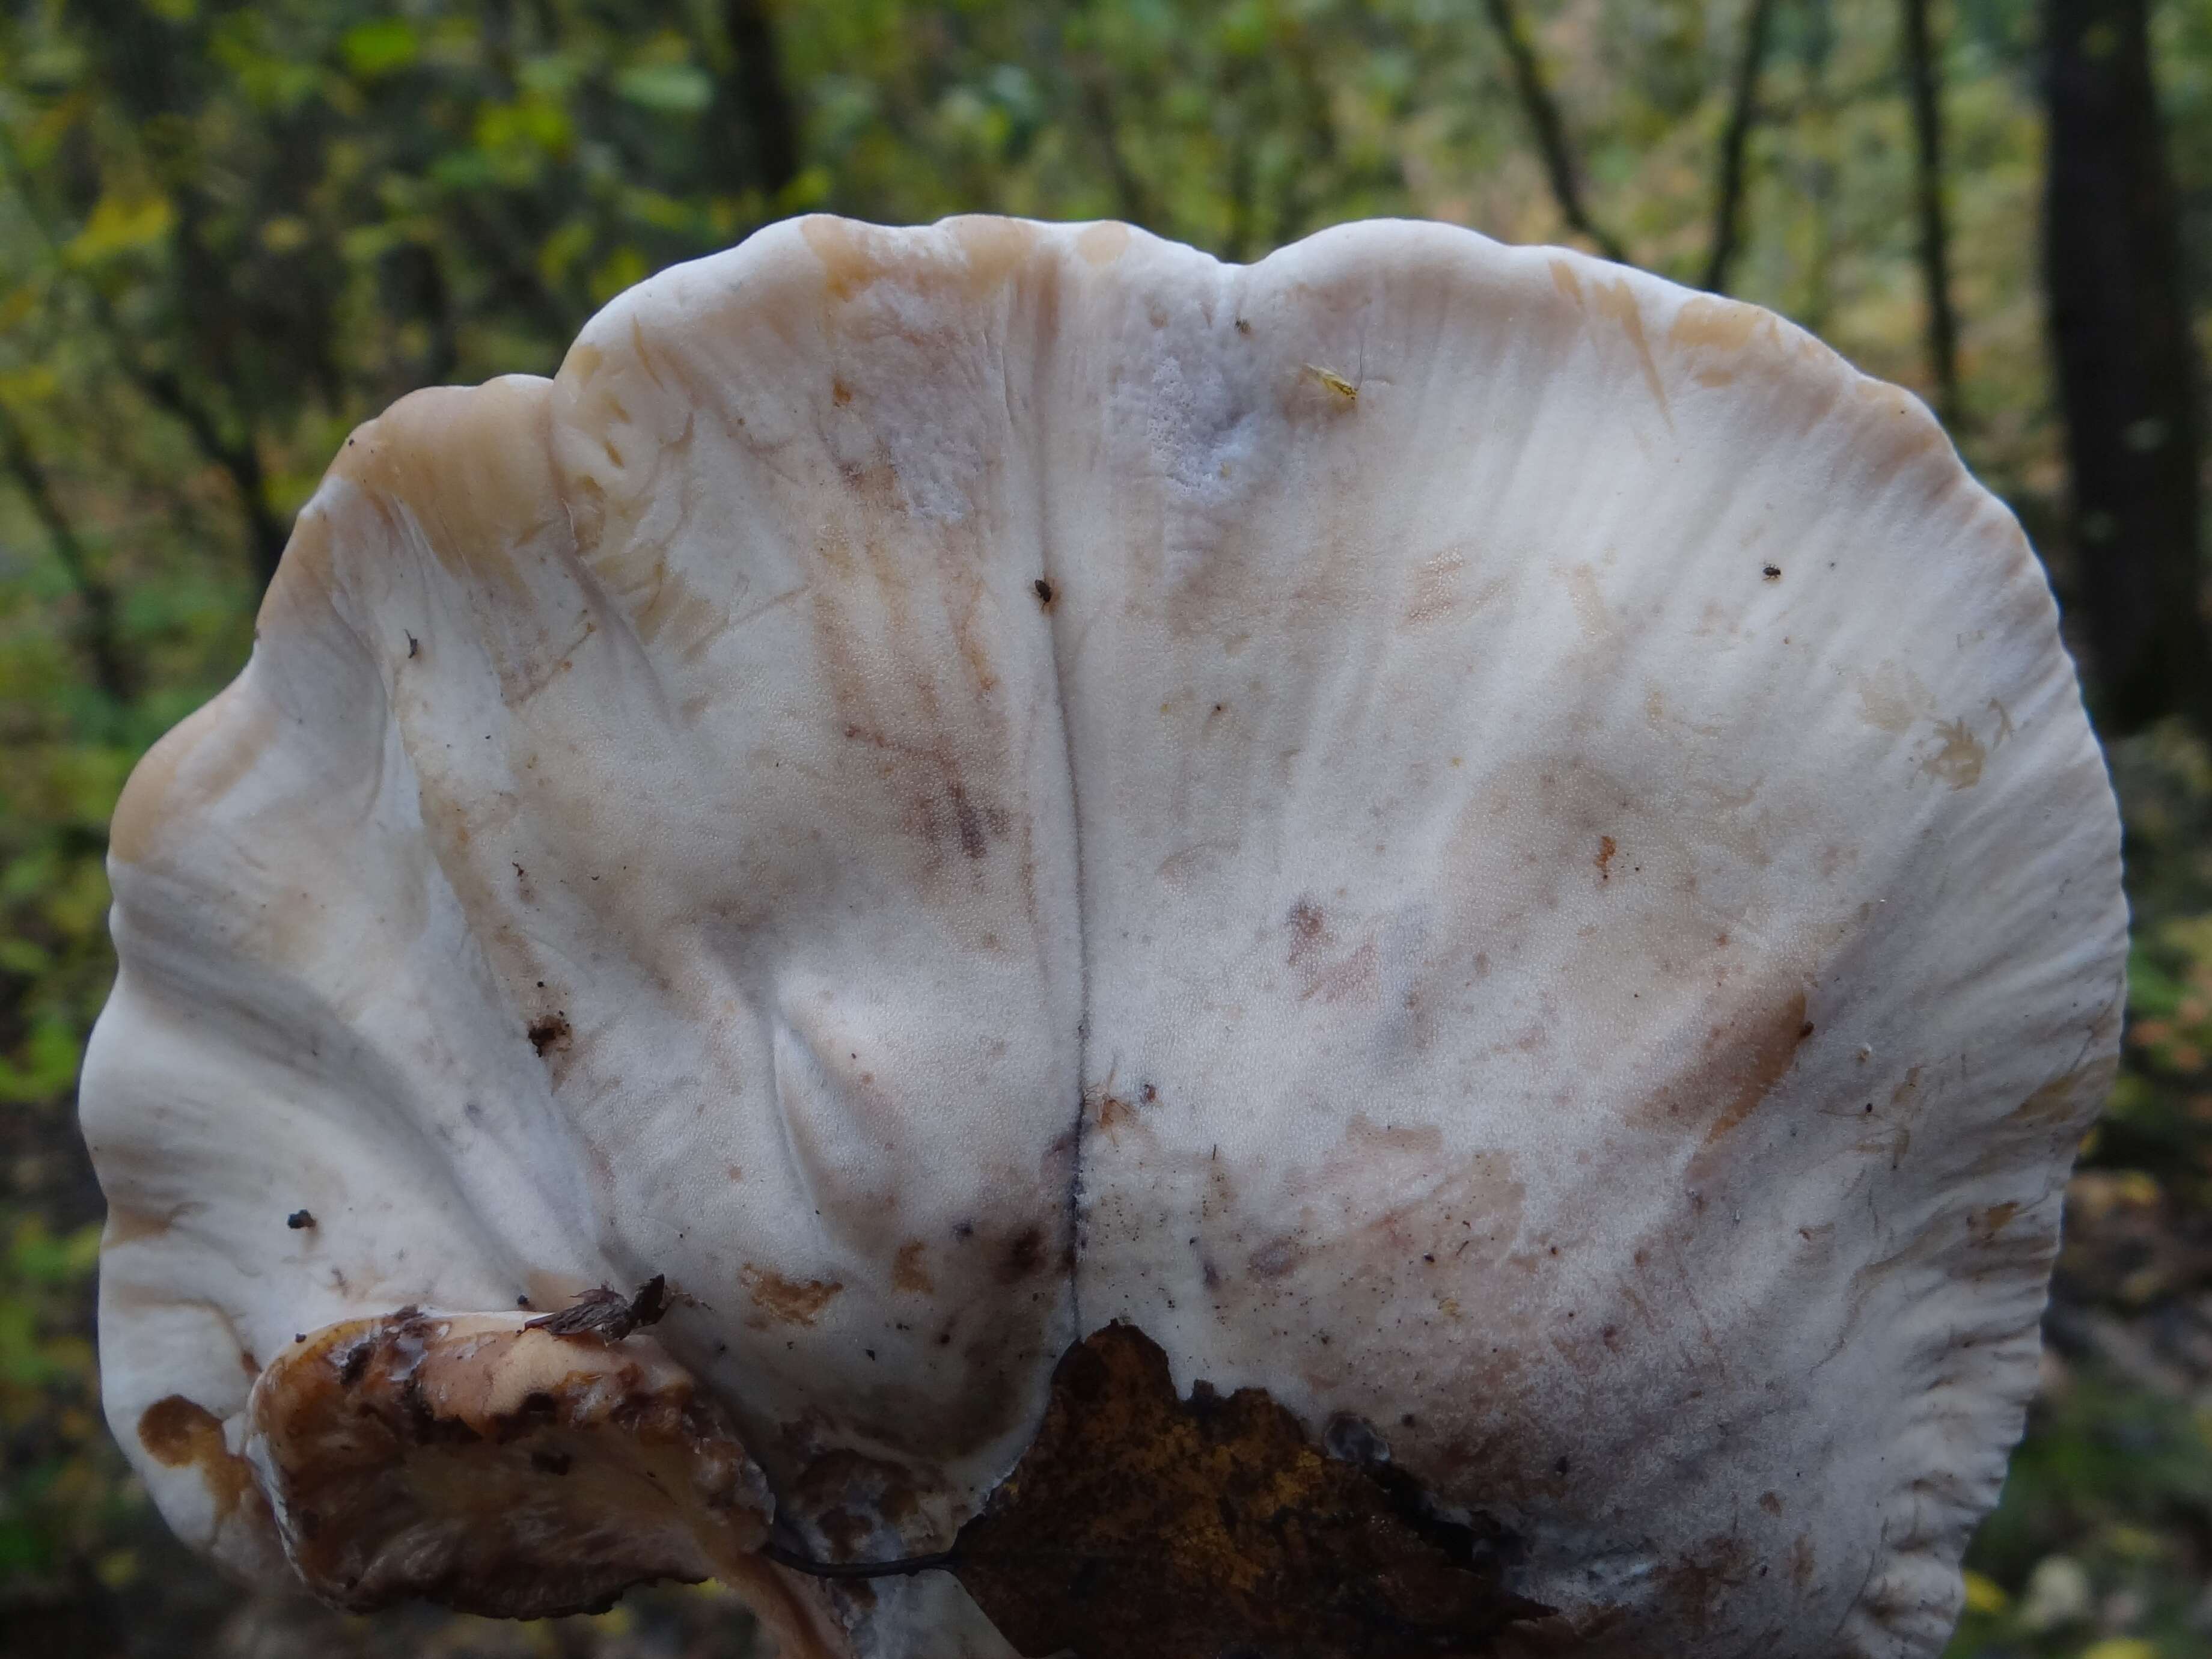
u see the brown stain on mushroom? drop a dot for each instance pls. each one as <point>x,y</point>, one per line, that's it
<point>1699,1582</point>
<point>1801,1561</point>
<point>1958,757</point>
<point>996,250</point>
<point>464,472</point>
<point>1891,698</point>
<point>1103,243</point>
<point>1987,1222</point>
<point>855,257</point>
<point>1616,300</point>
<point>191,769</point>
<point>787,1301</point>
<point>127,1227</point>
<point>1112,1113</point>
<point>907,1272</point>
<point>1591,611</point>
<point>1021,1256</point>
<point>1721,324</point>
<point>847,264</point>
<point>1436,590</point>
<point>1328,970</point>
<point>1739,1061</point>
<point>179,1433</point>
<point>1606,846</point>
<point>2067,1098</point>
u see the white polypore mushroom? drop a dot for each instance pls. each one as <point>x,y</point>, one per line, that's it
<point>1499,852</point>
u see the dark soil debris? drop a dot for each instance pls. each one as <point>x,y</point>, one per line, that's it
<point>1141,1526</point>
<point>607,1313</point>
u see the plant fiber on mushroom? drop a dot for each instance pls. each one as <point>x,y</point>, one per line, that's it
<point>1417,934</point>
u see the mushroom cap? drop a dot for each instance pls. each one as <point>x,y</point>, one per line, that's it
<point>1500,851</point>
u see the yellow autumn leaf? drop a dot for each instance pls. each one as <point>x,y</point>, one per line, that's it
<point>17,306</point>
<point>120,223</point>
<point>1985,1594</point>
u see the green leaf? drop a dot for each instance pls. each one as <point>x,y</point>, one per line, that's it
<point>667,89</point>
<point>382,47</point>
<point>120,223</point>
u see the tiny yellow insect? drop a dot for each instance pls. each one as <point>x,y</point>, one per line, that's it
<point>1335,381</point>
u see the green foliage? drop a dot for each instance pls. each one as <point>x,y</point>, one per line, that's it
<point>232,229</point>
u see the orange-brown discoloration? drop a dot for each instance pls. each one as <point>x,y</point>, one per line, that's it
<point>190,769</point>
<point>856,257</point>
<point>787,1301</point>
<point>126,1226</point>
<point>2070,1098</point>
<point>1724,328</point>
<point>908,1271</point>
<point>1986,1222</point>
<point>1959,755</point>
<point>1112,1112</point>
<point>179,1433</point>
<point>1606,846</point>
<point>444,468</point>
<point>1617,301</point>
<point>1740,1060</point>
<point>1104,243</point>
<point>1757,1058</point>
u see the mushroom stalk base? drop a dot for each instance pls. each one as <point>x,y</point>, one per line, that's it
<point>473,1461</point>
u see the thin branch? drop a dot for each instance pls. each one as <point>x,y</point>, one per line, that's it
<point>1543,113</point>
<point>1735,138</point>
<point>266,529</point>
<point>1924,86</point>
<point>111,668</point>
<point>242,461</point>
<point>1131,200</point>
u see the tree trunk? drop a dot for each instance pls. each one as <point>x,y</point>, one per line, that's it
<point>2120,332</point>
<point>1736,140</point>
<point>1925,86</point>
<point>757,97</point>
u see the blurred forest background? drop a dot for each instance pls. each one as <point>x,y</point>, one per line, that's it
<point>229,232</point>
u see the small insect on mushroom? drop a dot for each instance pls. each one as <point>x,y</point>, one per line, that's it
<point>1335,381</point>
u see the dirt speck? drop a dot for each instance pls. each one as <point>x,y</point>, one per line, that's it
<point>1024,1254</point>
<point>1043,589</point>
<point>549,1034</point>
<point>299,1220</point>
